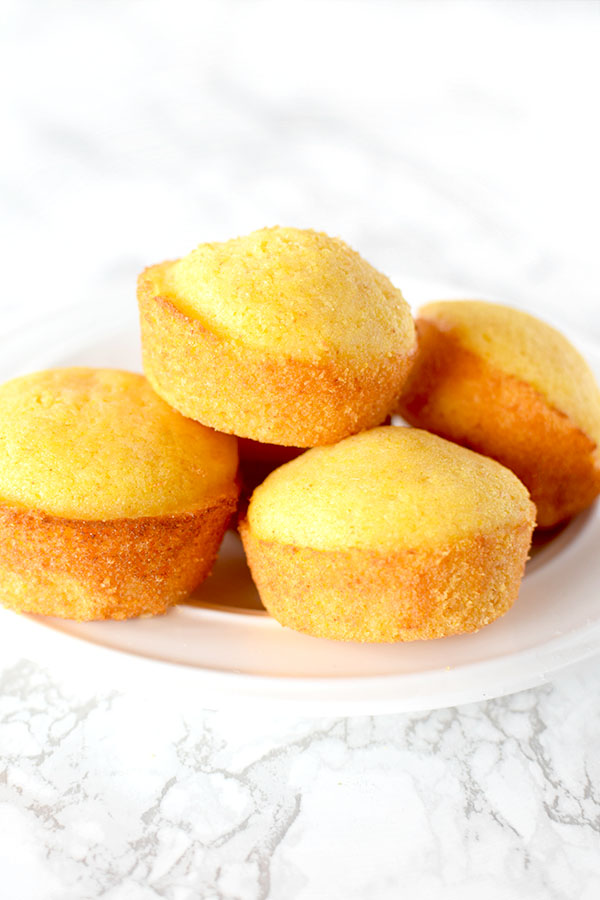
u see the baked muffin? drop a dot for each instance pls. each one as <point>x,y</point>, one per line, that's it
<point>391,535</point>
<point>504,383</point>
<point>112,504</point>
<point>283,336</point>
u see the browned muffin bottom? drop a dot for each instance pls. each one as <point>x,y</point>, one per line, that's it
<point>363,595</point>
<point>115,569</point>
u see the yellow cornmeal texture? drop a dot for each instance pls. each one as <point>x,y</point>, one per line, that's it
<point>386,489</point>
<point>528,349</point>
<point>99,443</point>
<point>299,291</point>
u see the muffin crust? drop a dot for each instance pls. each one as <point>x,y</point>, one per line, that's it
<point>390,535</point>
<point>112,505</point>
<point>467,397</point>
<point>116,569</point>
<point>288,364</point>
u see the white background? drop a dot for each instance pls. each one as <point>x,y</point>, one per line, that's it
<point>453,144</point>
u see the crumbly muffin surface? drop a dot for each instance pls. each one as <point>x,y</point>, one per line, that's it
<point>387,489</point>
<point>298,291</point>
<point>100,444</point>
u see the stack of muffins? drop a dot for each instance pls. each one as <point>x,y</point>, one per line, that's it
<point>285,345</point>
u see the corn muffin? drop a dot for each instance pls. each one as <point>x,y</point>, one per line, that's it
<point>504,383</point>
<point>112,504</point>
<point>284,336</point>
<point>391,535</point>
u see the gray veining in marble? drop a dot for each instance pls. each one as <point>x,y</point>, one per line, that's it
<point>128,795</point>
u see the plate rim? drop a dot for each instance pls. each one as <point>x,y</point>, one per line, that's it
<point>55,335</point>
<point>227,689</point>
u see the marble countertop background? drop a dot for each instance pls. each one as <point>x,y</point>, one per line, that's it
<point>454,144</point>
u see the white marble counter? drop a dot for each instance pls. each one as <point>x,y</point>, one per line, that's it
<point>451,143</point>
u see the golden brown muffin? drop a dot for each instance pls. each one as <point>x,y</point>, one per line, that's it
<point>391,535</point>
<point>504,383</point>
<point>283,336</point>
<point>112,504</point>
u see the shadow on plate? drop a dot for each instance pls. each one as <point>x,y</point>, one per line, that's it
<point>230,586</point>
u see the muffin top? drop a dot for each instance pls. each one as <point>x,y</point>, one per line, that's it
<point>387,489</point>
<point>293,291</point>
<point>100,444</point>
<point>528,349</point>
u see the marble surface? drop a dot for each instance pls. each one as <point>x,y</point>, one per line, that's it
<point>453,144</point>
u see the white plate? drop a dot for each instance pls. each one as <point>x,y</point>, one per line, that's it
<point>238,654</point>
